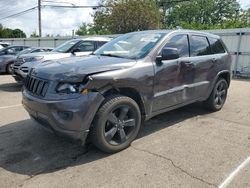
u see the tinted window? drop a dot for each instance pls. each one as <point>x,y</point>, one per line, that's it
<point>38,50</point>
<point>100,43</point>
<point>199,46</point>
<point>65,47</point>
<point>180,42</point>
<point>86,46</point>
<point>11,50</point>
<point>18,48</point>
<point>216,46</point>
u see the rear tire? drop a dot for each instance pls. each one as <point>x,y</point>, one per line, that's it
<point>8,68</point>
<point>116,124</point>
<point>218,96</point>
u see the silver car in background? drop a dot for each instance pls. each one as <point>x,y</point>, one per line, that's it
<point>72,48</point>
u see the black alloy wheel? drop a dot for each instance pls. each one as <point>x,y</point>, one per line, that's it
<point>120,124</point>
<point>218,96</point>
<point>116,124</point>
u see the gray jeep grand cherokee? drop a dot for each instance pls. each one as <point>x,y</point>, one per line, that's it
<point>132,78</point>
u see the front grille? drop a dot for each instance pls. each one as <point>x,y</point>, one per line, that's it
<point>36,86</point>
<point>24,69</point>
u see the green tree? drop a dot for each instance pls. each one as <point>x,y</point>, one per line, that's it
<point>83,29</point>
<point>122,16</point>
<point>17,33</point>
<point>203,14</point>
<point>34,34</point>
<point>11,33</point>
<point>245,17</point>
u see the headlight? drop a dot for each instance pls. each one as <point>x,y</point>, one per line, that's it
<point>29,59</point>
<point>68,88</point>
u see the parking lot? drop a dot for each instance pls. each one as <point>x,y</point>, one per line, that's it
<point>189,147</point>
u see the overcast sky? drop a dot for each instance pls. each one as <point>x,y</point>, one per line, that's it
<point>54,21</point>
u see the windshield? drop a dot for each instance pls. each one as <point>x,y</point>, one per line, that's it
<point>65,47</point>
<point>131,45</point>
<point>3,49</point>
<point>26,51</point>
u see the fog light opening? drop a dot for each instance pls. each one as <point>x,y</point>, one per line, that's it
<point>65,115</point>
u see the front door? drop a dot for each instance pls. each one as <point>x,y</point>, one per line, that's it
<point>168,90</point>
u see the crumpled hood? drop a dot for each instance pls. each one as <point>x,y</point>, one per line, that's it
<point>75,69</point>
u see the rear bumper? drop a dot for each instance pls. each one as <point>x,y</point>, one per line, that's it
<point>71,118</point>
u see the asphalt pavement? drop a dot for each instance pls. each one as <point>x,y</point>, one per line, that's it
<point>188,147</point>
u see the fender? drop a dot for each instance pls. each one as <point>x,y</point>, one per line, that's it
<point>212,84</point>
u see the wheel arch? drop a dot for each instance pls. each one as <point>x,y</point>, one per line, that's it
<point>226,75</point>
<point>129,92</point>
<point>222,74</point>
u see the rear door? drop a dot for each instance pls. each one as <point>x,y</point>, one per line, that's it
<point>199,71</point>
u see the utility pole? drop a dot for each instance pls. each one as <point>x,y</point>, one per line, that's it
<point>39,19</point>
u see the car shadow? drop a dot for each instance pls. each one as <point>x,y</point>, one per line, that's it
<point>25,148</point>
<point>11,87</point>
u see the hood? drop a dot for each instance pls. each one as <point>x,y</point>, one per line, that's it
<point>47,55</point>
<point>7,58</point>
<point>77,68</point>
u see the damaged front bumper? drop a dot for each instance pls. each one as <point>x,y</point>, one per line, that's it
<point>69,117</point>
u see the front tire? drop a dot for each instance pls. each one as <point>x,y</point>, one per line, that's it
<point>116,124</point>
<point>218,97</point>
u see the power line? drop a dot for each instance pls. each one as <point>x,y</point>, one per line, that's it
<point>10,9</point>
<point>19,13</point>
<point>65,6</point>
<point>45,1</point>
<point>52,6</point>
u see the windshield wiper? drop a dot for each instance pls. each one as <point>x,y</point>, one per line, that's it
<point>110,55</point>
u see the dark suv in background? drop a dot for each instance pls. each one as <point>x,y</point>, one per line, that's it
<point>7,56</point>
<point>105,96</point>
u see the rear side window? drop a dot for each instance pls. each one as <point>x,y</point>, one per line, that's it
<point>216,46</point>
<point>180,42</point>
<point>199,46</point>
<point>100,43</point>
<point>38,50</point>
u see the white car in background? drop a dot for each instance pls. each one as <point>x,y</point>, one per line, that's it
<point>72,48</point>
<point>4,45</point>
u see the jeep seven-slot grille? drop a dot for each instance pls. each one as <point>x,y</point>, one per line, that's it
<point>36,86</point>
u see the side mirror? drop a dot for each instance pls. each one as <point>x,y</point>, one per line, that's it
<point>168,54</point>
<point>75,50</point>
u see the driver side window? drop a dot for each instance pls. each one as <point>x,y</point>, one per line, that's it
<point>11,51</point>
<point>86,46</point>
<point>179,42</point>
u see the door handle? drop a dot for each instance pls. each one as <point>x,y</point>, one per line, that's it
<point>186,63</point>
